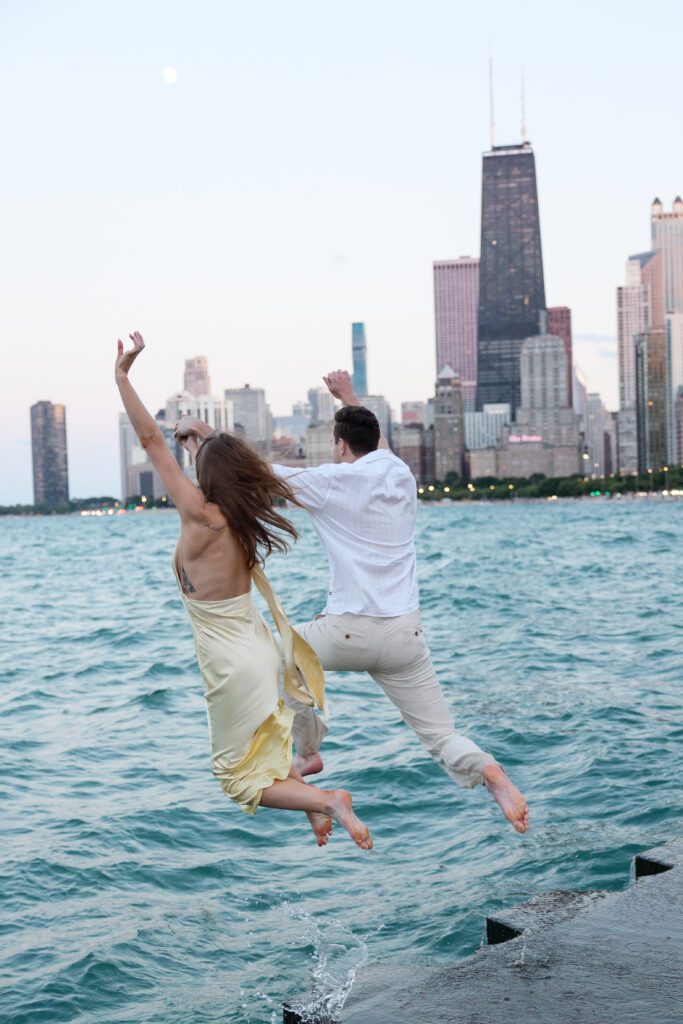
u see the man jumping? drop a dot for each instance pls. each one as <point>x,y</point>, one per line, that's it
<point>363,507</point>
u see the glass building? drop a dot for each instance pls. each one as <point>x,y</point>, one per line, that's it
<point>511,287</point>
<point>360,350</point>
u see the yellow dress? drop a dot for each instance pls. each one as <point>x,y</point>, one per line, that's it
<point>249,725</point>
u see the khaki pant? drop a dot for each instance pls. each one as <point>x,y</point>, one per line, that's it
<point>395,654</point>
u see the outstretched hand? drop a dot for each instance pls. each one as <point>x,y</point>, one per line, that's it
<point>340,385</point>
<point>124,360</point>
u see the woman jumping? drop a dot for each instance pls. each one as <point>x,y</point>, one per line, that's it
<point>228,526</point>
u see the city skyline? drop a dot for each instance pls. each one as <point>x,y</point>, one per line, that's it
<point>248,229</point>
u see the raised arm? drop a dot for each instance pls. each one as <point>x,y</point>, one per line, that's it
<point>187,498</point>
<point>192,428</point>
<point>339,384</point>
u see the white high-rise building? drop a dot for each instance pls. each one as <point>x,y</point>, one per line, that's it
<point>217,412</point>
<point>382,410</point>
<point>674,383</point>
<point>640,305</point>
<point>597,418</point>
<point>579,392</point>
<point>251,412</point>
<point>543,373</point>
<point>138,475</point>
<point>483,429</point>
<point>667,237</point>
<point>322,405</point>
<point>319,444</point>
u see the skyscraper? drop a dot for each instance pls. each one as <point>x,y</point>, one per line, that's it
<point>138,475</point>
<point>197,380</point>
<point>322,405</point>
<point>597,418</point>
<point>640,305</point>
<point>456,304</point>
<point>382,410</point>
<point>543,373</point>
<point>651,399</point>
<point>674,383</point>
<point>667,237</point>
<point>359,350</point>
<point>252,413</point>
<point>511,286</point>
<point>545,438</point>
<point>560,324</point>
<point>48,445</point>
<point>449,425</point>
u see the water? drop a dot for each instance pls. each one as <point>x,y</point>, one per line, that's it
<point>132,890</point>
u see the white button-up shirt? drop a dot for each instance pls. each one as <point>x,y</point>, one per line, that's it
<point>364,513</point>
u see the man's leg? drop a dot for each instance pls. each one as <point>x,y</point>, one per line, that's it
<point>333,643</point>
<point>406,674</point>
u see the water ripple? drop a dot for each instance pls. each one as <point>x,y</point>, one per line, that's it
<point>131,891</point>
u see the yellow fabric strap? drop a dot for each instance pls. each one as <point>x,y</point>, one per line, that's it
<point>304,677</point>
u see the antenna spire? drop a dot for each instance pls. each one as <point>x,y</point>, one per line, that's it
<point>493,122</point>
<point>525,130</point>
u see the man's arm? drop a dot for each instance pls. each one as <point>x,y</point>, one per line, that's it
<point>189,427</point>
<point>339,384</point>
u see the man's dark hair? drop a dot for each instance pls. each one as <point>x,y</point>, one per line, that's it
<point>358,427</point>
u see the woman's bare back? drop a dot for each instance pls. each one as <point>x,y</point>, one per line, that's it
<point>210,561</point>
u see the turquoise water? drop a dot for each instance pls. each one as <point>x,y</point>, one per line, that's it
<point>132,890</point>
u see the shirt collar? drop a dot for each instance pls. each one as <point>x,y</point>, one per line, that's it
<point>380,453</point>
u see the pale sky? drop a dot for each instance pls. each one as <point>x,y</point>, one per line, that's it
<point>304,171</point>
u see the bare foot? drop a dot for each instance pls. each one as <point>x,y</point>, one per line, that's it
<point>507,796</point>
<point>308,764</point>
<point>341,811</point>
<point>321,825</point>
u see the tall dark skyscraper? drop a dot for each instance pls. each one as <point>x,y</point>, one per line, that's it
<point>511,288</point>
<point>48,442</point>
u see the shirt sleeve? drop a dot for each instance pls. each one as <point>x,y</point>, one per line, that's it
<point>311,486</point>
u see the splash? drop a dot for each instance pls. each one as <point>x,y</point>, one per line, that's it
<point>337,956</point>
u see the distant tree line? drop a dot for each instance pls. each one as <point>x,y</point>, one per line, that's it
<point>104,504</point>
<point>454,488</point>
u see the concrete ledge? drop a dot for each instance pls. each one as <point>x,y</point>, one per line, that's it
<point>559,958</point>
<point>538,912</point>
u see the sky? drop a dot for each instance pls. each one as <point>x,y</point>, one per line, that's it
<point>307,167</point>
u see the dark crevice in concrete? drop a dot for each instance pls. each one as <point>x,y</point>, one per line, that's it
<point>649,866</point>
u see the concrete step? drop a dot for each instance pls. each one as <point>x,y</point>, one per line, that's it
<point>559,958</point>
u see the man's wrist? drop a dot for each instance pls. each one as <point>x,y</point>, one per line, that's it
<point>352,399</point>
<point>203,430</point>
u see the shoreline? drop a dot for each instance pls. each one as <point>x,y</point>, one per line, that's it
<point>423,502</point>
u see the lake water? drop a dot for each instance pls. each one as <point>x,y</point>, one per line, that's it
<point>132,890</point>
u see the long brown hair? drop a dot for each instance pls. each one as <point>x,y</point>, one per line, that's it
<point>233,476</point>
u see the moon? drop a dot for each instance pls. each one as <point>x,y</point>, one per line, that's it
<point>170,76</point>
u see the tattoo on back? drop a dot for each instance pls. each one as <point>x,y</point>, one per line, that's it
<point>186,582</point>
